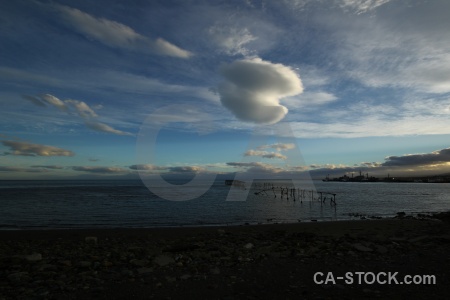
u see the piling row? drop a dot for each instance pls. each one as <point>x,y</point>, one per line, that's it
<point>296,194</point>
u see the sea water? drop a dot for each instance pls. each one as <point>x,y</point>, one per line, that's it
<point>130,204</point>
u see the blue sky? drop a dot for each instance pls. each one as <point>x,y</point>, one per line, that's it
<point>362,84</point>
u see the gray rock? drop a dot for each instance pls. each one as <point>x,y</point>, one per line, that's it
<point>185,276</point>
<point>163,260</point>
<point>361,248</point>
<point>215,271</point>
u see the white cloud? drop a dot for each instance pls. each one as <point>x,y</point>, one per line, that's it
<point>82,108</point>
<point>253,88</point>
<point>310,99</point>
<point>278,146</point>
<point>97,126</point>
<point>147,167</point>
<point>115,34</point>
<point>265,154</point>
<point>101,170</point>
<point>361,6</point>
<point>232,40</point>
<point>28,149</point>
<point>52,100</point>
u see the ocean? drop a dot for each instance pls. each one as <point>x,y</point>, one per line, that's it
<point>130,204</point>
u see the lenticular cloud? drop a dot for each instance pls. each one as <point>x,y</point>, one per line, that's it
<point>253,88</point>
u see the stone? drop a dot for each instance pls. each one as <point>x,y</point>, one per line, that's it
<point>361,248</point>
<point>185,276</point>
<point>248,246</point>
<point>33,257</point>
<point>163,260</point>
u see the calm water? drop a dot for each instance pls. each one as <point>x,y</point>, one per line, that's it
<point>111,204</point>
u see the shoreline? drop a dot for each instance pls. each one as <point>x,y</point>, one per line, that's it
<point>362,217</point>
<point>270,261</point>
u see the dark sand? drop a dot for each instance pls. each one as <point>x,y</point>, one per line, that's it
<point>241,262</point>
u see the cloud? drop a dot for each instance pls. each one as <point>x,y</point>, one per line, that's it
<point>253,88</point>
<point>265,154</point>
<point>278,146</point>
<point>53,167</point>
<point>187,169</point>
<point>176,169</point>
<point>97,126</point>
<point>232,39</point>
<point>81,109</point>
<point>102,170</point>
<point>19,169</point>
<point>147,167</point>
<point>361,6</point>
<point>34,100</point>
<point>28,149</point>
<point>114,34</point>
<point>310,99</point>
<point>52,100</point>
<point>436,157</point>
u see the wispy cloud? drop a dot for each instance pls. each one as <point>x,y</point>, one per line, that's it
<point>97,126</point>
<point>361,6</point>
<point>19,169</point>
<point>81,108</point>
<point>101,170</point>
<point>53,167</point>
<point>28,149</point>
<point>232,40</point>
<point>278,146</point>
<point>147,167</point>
<point>115,34</point>
<point>253,88</point>
<point>265,154</point>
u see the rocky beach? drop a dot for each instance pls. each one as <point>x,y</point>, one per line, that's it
<point>277,261</point>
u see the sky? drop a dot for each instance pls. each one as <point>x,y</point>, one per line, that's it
<point>107,89</point>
